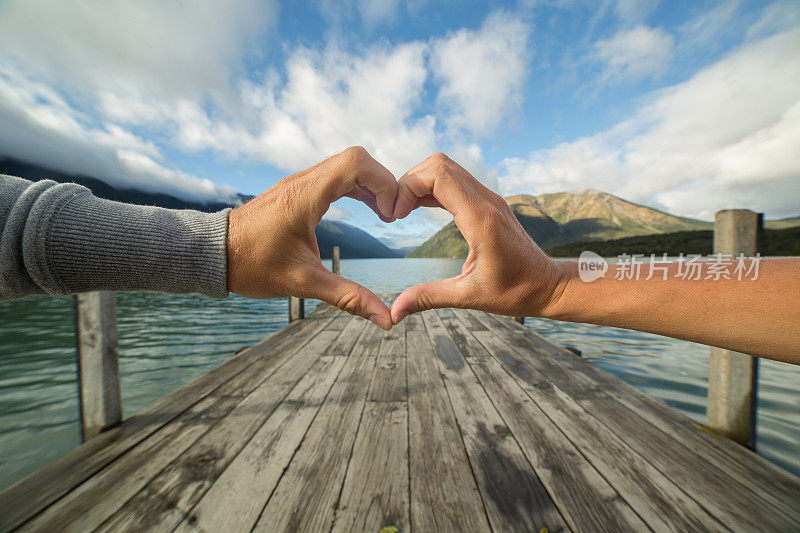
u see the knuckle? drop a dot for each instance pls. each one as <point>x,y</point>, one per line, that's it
<point>424,302</point>
<point>349,301</point>
<point>355,154</point>
<point>440,157</point>
<point>440,169</point>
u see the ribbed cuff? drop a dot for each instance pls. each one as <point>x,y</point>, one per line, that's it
<point>81,243</point>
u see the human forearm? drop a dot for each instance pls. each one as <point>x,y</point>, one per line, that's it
<point>760,316</point>
<point>59,239</point>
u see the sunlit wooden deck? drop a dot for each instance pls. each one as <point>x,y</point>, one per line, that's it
<point>453,421</point>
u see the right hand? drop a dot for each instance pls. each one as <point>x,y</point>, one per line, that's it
<point>505,272</point>
<point>272,247</point>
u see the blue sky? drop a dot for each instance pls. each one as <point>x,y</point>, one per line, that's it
<point>689,107</point>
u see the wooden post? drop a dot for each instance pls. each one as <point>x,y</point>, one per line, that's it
<point>98,362</point>
<point>297,309</point>
<point>733,376</point>
<point>335,256</point>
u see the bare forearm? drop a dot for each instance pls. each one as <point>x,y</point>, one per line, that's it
<point>760,317</point>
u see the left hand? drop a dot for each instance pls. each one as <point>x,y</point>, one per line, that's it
<point>272,247</point>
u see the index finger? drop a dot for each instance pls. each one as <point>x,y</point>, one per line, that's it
<point>434,177</point>
<point>358,168</point>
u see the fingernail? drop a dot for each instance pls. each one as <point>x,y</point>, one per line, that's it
<point>400,317</point>
<point>377,320</point>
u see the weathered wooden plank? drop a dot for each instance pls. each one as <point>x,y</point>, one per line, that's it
<point>323,309</point>
<point>444,495</point>
<point>236,498</point>
<point>175,490</point>
<point>761,472</point>
<point>466,343</point>
<point>353,326</point>
<point>584,497</point>
<point>514,496</point>
<point>677,449</point>
<point>375,492</point>
<point>102,495</point>
<point>98,362</point>
<point>661,503</point>
<point>24,499</point>
<point>755,474</point>
<point>389,382</point>
<point>307,494</point>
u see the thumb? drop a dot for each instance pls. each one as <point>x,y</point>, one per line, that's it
<point>431,295</point>
<point>351,297</point>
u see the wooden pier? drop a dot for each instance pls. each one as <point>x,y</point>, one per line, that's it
<point>453,421</point>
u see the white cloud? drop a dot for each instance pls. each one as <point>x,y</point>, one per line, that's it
<point>481,72</point>
<point>728,137</point>
<point>374,12</point>
<point>134,61</point>
<point>707,28</point>
<point>175,74</point>
<point>39,126</point>
<point>634,11</point>
<point>634,54</point>
<point>776,17</point>
<point>149,47</point>
<point>328,100</point>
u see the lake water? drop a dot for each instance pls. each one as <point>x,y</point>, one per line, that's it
<point>167,341</point>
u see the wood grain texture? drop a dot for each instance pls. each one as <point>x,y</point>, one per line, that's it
<point>389,382</point>
<point>35,493</point>
<point>180,485</point>
<point>352,326</point>
<point>444,495</point>
<point>455,421</point>
<point>757,476</point>
<point>376,490</point>
<point>514,497</point>
<point>306,497</point>
<point>673,444</point>
<point>235,500</point>
<point>99,395</point>
<point>582,494</point>
<point>661,503</point>
<point>94,501</point>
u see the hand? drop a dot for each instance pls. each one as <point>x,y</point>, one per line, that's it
<point>505,271</point>
<point>272,248</point>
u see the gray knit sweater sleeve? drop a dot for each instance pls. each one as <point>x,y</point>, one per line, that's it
<point>60,239</point>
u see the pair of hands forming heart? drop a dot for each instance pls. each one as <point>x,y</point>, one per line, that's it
<point>273,252</point>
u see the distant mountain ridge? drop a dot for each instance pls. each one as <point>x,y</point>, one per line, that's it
<point>560,218</point>
<point>557,219</point>
<point>353,242</point>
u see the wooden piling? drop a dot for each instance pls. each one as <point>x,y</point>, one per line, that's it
<point>733,376</point>
<point>98,362</point>
<point>335,256</point>
<point>297,309</point>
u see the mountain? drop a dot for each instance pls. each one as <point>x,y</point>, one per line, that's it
<point>560,218</point>
<point>100,188</point>
<point>775,242</point>
<point>354,243</point>
<point>791,222</point>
